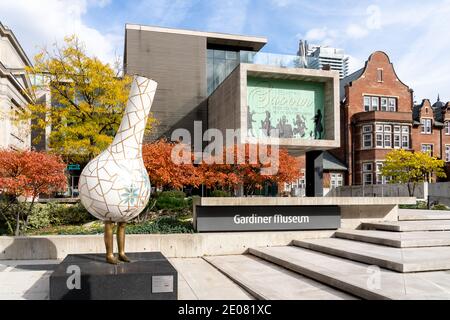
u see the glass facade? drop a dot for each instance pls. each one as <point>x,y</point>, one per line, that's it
<point>222,62</point>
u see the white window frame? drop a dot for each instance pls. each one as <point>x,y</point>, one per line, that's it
<point>447,153</point>
<point>447,127</point>
<point>377,99</point>
<point>425,151</point>
<point>364,140</point>
<point>368,181</point>
<point>427,124</point>
<point>399,136</point>
<point>336,180</point>
<point>392,107</point>
<point>384,104</point>
<point>367,106</point>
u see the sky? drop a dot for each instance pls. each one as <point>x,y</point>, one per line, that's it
<point>413,33</point>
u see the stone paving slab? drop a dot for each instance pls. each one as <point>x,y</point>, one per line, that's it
<point>198,280</point>
<point>398,239</point>
<point>357,278</point>
<point>398,259</point>
<point>413,214</point>
<point>267,281</point>
<point>29,280</point>
<point>402,226</point>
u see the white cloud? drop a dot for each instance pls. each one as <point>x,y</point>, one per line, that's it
<point>356,32</point>
<point>43,22</point>
<point>322,35</point>
<point>228,16</point>
<point>374,19</point>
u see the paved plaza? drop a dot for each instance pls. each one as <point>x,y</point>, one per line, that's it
<point>369,263</point>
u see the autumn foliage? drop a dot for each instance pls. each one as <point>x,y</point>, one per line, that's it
<point>217,174</point>
<point>29,174</point>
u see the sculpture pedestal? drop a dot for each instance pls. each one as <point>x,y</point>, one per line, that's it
<point>149,276</point>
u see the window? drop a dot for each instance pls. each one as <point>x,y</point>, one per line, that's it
<point>397,142</point>
<point>447,127</point>
<point>367,129</point>
<point>447,153</point>
<point>426,126</point>
<point>375,103</point>
<point>387,140</point>
<point>380,75</point>
<point>396,129</point>
<point>337,180</point>
<point>366,103</point>
<point>367,166</point>
<point>367,173</point>
<point>384,104</point>
<point>427,148</point>
<point>367,141</point>
<point>379,138</point>
<point>392,104</point>
<point>405,142</point>
<point>380,179</point>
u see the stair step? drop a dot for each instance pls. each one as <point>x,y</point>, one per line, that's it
<point>397,259</point>
<point>356,278</point>
<point>267,281</point>
<point>413,214</point>
<point>398,239</point>
<point>402,226</point>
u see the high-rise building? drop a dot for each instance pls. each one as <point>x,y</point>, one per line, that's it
<point>323,57</point>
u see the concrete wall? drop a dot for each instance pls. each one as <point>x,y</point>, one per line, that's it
<point>172,246</point>
<point>381,190</point>
<point>225,102</point>
<point>228,107</point>
<point>439,192</point>
<point>178,63</point>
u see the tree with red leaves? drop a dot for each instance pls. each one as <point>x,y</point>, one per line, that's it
<point>163,171</point>
<point>27,174</point>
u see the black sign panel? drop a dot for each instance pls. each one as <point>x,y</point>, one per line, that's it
<point>267,218</point>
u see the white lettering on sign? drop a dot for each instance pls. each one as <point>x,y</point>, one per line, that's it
<point>276,219</point>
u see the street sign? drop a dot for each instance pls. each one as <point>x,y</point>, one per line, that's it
<point>73,167</point>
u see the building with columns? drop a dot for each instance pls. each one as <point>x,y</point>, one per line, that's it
<point>14,88</point>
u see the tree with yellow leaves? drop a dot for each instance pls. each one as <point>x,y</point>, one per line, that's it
<point>88,98</point>
<point>411,168</point>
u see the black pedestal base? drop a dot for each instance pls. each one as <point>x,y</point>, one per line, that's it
<point>149,276</point>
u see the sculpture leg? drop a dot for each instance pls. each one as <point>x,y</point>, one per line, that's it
<point>109,243</point>
<point>121,241</point>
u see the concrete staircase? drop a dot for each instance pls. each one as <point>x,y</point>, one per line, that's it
<point>410,261</point>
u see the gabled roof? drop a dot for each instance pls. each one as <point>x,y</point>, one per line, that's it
<point>331,163</point>
<point>5,32</point>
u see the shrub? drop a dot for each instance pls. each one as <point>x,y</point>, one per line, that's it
<point>220,194</point>
<point>161,225</point>
<point>439,207</point>
<point>55,214</point>
<point>172,194</point>
<point>169,203</point>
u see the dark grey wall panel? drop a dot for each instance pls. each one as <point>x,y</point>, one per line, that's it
<point>178,63</point>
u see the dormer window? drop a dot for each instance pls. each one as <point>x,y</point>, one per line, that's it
<point>447,128</point>
<point>426,126</point>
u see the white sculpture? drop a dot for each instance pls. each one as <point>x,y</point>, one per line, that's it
<point>114,187</point>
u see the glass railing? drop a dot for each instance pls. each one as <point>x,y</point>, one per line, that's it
<point>277,60</point>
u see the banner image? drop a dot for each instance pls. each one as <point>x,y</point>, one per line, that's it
<point>294,108</point>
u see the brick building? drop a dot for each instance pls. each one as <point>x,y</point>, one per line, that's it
<point>378,115</point>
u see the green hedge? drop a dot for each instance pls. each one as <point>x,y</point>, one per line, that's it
<point>55,214</point>
<point>161,225</point>
<point>220,194</point>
